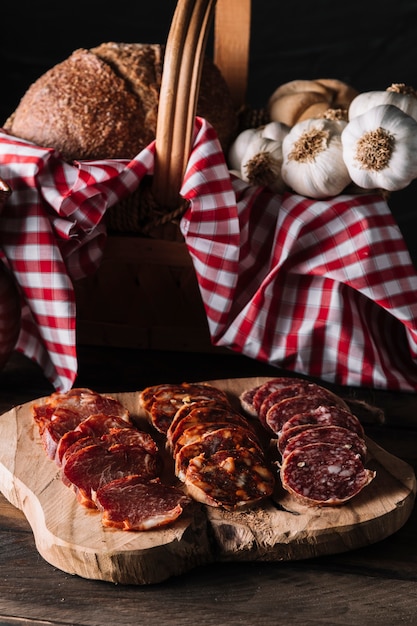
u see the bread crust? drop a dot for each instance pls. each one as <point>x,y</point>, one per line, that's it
<point>103,102</point>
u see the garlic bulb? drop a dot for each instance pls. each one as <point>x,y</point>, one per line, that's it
<point>313,163</point>
<point>256,154</point>
<point>298,100</point>
<point>398,94</point>
<point>261,163</point>
<point>380,148</point>
<point>238,147</point>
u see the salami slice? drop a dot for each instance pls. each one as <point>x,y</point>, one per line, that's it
<point>130,503</point>
<point>303,387</point>
<point>62,412</point>
<point>335,435</point>
<point>230,479</point>
<point>226,438</point>
<point>284,410</point>
<point>321,474</point>
<point>324,415</point>
<point>93,466</point>
<point>162,404</point>
<point>246,401</point>
<point>272,385</point>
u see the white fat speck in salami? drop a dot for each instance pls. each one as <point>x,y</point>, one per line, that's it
<point>321,474</point>
<point>336,435</point>
<point>130,503</point>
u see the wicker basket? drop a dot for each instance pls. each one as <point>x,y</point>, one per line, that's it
<point>145,293</point>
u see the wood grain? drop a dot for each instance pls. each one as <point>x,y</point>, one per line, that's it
<point>72,538</point>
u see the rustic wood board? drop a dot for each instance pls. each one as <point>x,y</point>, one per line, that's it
<point>72,538</point>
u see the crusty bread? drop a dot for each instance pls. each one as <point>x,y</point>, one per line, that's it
<point>103,102</point>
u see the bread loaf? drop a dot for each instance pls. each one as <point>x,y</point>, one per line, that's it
<point>102,103</point>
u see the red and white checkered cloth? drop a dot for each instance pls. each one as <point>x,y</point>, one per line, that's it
<point>324,288</point>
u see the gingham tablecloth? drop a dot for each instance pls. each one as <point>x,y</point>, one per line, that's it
<point>324,288</point>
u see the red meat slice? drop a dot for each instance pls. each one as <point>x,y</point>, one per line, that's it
<point>62,412</point>
<point>93,426</point>
<point>93,466</point>
<point>130,503</point>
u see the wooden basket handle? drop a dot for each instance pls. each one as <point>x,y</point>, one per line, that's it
<point>184,54</point>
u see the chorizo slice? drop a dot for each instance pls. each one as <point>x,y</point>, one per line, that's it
<point>231,479</point>
<point>206,415</point>
<point>226,438</point>
<point>130,503</point>
<point>320,474</point>
<point>162,403</point>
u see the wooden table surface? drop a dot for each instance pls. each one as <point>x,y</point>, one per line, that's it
<point>372,585</point>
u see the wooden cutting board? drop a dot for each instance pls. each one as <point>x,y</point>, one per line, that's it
<point>72,538</point>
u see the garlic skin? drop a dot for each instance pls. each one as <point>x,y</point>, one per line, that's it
<point>398,94</point>
<point>261,163</point>
<point>380,148</point>
<point>313,164</point>
<point>239,146</point>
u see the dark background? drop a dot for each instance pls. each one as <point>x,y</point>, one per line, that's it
<point>367,43</point>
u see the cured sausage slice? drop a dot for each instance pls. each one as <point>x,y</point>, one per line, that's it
<point>186,409</point>
<point>95,465</point>
<point>206,415</point>
<point>273,385</point>
<point>284,410</point>
<point>130,503</point>
<point>321,474</point>
<point>62,412</point>
<point>93,426</point>
<point>162,402</point>
<point>226,438</point>
<point>195,433</point>
<point>230,479</point>
<point>300,388</point>
<point>324,415</point>
<point>335,435</point>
